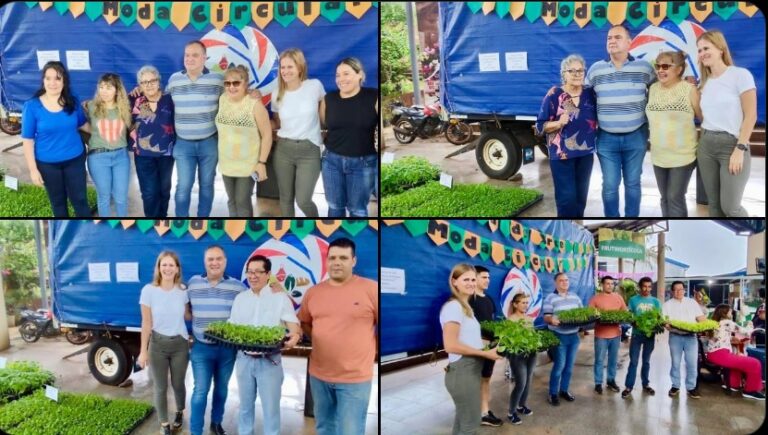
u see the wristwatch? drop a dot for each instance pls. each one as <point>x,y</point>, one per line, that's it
<point>742,146</point>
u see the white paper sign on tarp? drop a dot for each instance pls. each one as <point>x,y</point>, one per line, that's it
<point>127,272</point>
<point>489,62</point>
<point>392,280</point>
<point>98,272</point>
<point>45,56</point>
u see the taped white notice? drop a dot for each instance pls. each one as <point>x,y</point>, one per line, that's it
<point>489,62</point>
<point>98,272</point>
<point>45,56</point>
<point>78,60</point>
<point>392,280</point>
<point>516,61</point>
<point>127,272</point>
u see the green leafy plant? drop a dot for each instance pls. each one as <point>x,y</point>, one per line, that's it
<point>650,322</point>
<point>548,339</point>
<point>20,378</point>
<point>246,334</point>
<point>578,315</point>
<point>406,173</point>
<point>518,338</point>
<point>694,327</point>
<point>463,200</point>
<point>615,316</point>
<point>628,289</point>
<point>32,201</point>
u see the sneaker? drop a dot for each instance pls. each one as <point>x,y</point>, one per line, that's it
<point>217,429</point>
<point>649,390</point>
<point>567,396</point>
<point>523,410</point>
<point>612,386</point>
<point>514,419</point>
<point>553,400</point>
<point>165,429</point>
<point>755,395</point>
<point>673,391</point>
<point>599,389</point>
<point>178,420</point>
<point>491,420</point>
<point>626,393</point>
<point>694,394</point>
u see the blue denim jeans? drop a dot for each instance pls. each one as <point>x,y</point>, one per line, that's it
<point>265,377</point>
<point>571,178</point>
<point>622,153</point>
<point>201,155</point>
<point>155,183</point>
<point>348,183</point>
<point>209,363</point>
<point>647,343</point>
<point>110,172</point>
<point>679,344</point>
<point>603,345</point>
<point>340,409</point>
<point>565,357</point>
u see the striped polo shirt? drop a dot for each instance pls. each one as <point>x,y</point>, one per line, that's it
<point>621,93</point>
<point>210,304</point>
<point>554,303</point>
<point>196,103</point>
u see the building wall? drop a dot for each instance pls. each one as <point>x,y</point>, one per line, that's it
<point>755,249</point>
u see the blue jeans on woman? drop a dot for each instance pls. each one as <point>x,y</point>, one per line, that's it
<point>201,156</point>
<point>265,377</point>
<point>215,363</point>
<point>348,183</point>
<point>64,180</point>
<point>155,183</point>
<point>111,171</point>
<point>647,343</point>
<point>688,344</point>
<point>603,345</point>
<point>565,357</point>
<point>340,409</point>
<point>571,178</point>
<point>622,153</point>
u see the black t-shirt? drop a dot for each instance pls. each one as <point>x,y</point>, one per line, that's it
<point>484,309</point>
<point>351,123</point>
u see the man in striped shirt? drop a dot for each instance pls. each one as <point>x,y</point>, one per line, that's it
<point>195,92</point>
<point>621,84</point>
<point>211,296</point>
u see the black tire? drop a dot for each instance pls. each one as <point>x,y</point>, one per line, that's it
<point>29,332</point>
<point>407,125</point>
<point>110,363</point>
<point>9,127</point>
<point>499,154</point>
<point>78,337</point>
<point>459,133</point>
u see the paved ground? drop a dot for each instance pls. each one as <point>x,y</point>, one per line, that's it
<point>415,401</point>
<point>537,175</point>
<point>73,376</point>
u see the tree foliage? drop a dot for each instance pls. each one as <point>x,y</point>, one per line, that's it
<point>395,66</point>
<point>18,263</point>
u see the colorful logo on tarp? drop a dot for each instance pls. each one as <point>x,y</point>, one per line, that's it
<point>296,264</point>
<point>526,282</point>
<point>669,37</point>
<point>248,47</point>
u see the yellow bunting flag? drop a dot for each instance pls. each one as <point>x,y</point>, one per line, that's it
<point>180,16</point>
<point>374,223</point>
<point>145,13</point>
<point>549,264</point>
<point>390,222</point>
<point>358,9</point>
<point>127,223</point>
<point>536,237</point>
<point>748,9</point>
<point>162,226</point>
<point>308,12</point>
<point>219,14</point>
<point>516,230</point>
<point>471,243</point>
<point>328,227</point>
<point>45,5</point>
<point>701,10</point>
<point>582,13</point>
<point>198,227</point>
<point>617,12</point>
<point>438,231</point>
<point>111,12</point>
<point>493,224</point>
<point>262,13</point>
<point>497,252</point>
<point>518,258</point>
<point>234,229</point>
<point>656,12</point>
<point>535,262</point>
<point>76,8</point>
<point>488,7</point>
<point>516,9</point>
<point>550,241</point>
<point>278,228</point>
<point>549,12</point>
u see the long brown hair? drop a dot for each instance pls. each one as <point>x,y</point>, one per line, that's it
<point>297,56</point>
<point>716,38</point>
<point>456,272</point>
<point>721,312</point>
<point>157,278</point>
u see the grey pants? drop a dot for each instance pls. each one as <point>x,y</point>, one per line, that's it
<point>522,369</point>
<point>297,166</point>
<point>724,190</point>
<point>239,193</point>
<point>462,379</point>
<point>673,184</point>
<point>168,353</point>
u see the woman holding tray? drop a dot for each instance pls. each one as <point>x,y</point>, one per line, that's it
<point>462,341</point>
<point>719,352</point>
<point>522,365</point>
<point>164,338</point>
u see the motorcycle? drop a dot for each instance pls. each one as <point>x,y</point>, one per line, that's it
<point>36,324</point>
<point>424,122</point>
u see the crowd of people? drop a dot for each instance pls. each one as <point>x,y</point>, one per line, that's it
<point>342,335</point>
<point>614,107</point>
<point>470,362</point>
<point>203,120</point>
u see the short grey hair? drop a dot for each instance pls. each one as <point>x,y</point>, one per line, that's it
<point>567,61</point>
<point>147,69</point>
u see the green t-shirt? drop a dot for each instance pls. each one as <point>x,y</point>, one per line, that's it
<point>107,132</point>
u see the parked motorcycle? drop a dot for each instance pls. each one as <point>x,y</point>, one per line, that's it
<point>424,122</point>
<point>36,324</point>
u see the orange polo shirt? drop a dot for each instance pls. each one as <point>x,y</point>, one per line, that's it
<point>605,301</point>
<point>344,320</point>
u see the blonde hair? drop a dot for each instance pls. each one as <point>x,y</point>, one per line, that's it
<point>297,56</point>
<point>677,58</point>
<point>716,38</point>
<point>456,272</point>
<point>516,300</point>
<point>240,70</point>
<point>157,278</point>
<point>121,99</point>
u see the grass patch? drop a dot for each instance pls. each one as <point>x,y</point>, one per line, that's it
<point>406,173</point>
<point>32,201</point>
<point>464,200</point>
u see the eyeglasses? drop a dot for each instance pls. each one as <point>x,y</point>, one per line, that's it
<point>255,272</point>
<point>149,82</point>
<point>664,66</point>
<point>576,72</point>
<point>234,83</point>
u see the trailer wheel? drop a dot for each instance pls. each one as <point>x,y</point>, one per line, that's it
<point>109,362</point>
<point>499,154</point>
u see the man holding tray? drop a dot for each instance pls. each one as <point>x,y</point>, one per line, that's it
<point>262,371</point>
<point>607,336</point>
<point>685,310</point>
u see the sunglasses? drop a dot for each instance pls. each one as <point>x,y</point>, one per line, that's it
<point>664,66</point>
<point>234,83</point>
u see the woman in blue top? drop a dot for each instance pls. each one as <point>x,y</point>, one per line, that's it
<point>568,116</point>
<point>53,149</point>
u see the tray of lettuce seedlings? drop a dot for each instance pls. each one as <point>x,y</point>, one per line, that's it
<point>650,322</point>
<point>262,339</point>
<point>578,316</point>
<point>518,337</point>
<point>615,317</point>
<point>688,328</point>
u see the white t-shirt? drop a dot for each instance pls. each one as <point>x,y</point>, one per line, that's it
<point>721,100</point>
<point>469,327</point>
<point>167,308</point>
<point>299,112</point>
<point>264,309</point>
<point>685,310</point>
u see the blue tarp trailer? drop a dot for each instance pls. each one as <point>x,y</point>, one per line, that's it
<point>97,269</point>
<point>496,70</point>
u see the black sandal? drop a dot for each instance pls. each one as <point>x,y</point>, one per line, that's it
<point>178,420</point>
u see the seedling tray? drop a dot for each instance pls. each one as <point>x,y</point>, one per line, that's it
<point>680,331</point>
<point>260,348</point>
<point>581,323</point>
